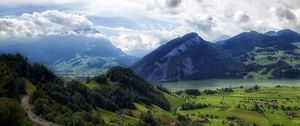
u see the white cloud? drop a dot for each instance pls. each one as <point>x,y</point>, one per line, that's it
<point>37,2</point>
<point>211,19</point>
<point>50,22</point>
<point>139,41</point>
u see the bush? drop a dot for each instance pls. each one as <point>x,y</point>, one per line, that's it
<point>191,106</point>
<point>149,120</point>
<point>209,92</point>
<point>252,89</point>
<point>11,112</point>
<point>227,90</point>
<point>101,78</point>
<point>163,89</point>
<point>195,92</point>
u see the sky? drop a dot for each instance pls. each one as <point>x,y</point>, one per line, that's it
<point>139,26</point>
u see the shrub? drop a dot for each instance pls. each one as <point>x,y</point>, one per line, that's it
<point>195,92</point>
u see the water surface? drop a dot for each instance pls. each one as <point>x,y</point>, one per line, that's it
<point>223,83</point>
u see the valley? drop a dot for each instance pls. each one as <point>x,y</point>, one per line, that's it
<point>150,63</point>
<point>270,55</point>
<point>265,107</point>
<point>213,84</point>
<point>240,105</point>
<point>121,98</point>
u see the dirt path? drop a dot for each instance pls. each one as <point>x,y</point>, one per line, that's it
<point>32,116</point>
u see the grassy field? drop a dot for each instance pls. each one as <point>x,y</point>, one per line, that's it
<point>95,85</point>
<point>116,119</point>
<point>29,87</point>
<point>276,106</point>
<point>265,106</point>
<point>261,57</point>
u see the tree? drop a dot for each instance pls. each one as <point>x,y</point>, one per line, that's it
<point>149,120</point>
<point>8,84</point>
<point>100,79</point>
<point>11,112</point>
<point>41,107</point>
<point>195,92</point>
<point>88,79</point>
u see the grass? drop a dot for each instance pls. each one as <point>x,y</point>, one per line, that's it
<point>29,87</point>
<point>261,57</point>
<point>291,57</point>
<point>285,96</point>
<point>95,85</point>
<point>113,119</point>
<point>239,104</point>
<point>175,102</point>
<point>141,107</point>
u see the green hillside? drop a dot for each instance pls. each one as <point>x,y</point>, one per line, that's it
<point>121,98</point>
<point>269,63</point>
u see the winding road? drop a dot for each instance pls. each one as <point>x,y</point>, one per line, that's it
<point>34,118</point>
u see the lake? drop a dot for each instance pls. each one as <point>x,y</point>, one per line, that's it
<point>223,83</point>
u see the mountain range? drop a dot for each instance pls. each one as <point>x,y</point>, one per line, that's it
<point>269,55</point>
<point>71,55</point>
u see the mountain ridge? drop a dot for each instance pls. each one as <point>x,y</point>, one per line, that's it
<point>230,58</point>
<point>67,55</point>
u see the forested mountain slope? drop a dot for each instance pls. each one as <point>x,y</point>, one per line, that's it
<point>73,103</point>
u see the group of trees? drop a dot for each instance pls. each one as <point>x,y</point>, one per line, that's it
<point>163,89</point>
<point>149,120</point>
<point>136,87</point>
<point>191,106</point>
<point>252,89</point>
<point>71,103</point>
<point>9,86</point>
<point>54,100</point>
<point>11,113</point>
<point>227,90</point>
<point>12,86</point>
<point>194,92</point>
<point>209,92</point>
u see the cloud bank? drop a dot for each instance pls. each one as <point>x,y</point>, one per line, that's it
<point>152,22</point>
<point>50,22</point>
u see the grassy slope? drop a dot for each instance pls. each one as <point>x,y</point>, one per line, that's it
<point>175,102</point>
<point>113,119</point>
<point>29,87</point>
<point>219,110</point>
<point>95,85</point>
<point>231,100</point>
<point>261,58</point>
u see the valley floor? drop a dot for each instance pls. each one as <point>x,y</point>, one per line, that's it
<point>266,106</point>
<point>245,106</point>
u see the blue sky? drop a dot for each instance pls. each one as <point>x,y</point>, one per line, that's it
<point>139,26</point>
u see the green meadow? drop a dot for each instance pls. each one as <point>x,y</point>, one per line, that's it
<point>265,106</point>
<point>275,106</point>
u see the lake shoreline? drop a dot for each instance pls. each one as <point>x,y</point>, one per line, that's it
<point>213,84</point>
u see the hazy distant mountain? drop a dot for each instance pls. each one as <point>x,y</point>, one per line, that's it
<point>249,54</point>
<point>71,55</point>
